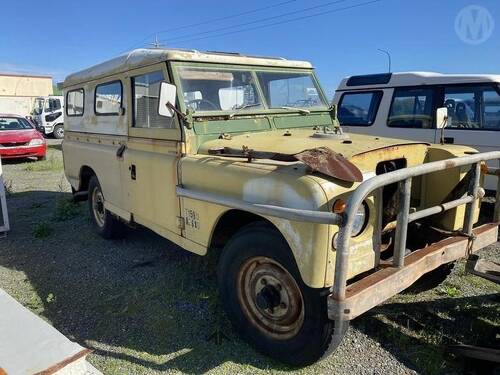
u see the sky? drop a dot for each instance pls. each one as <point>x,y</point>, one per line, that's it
<point>339,37</point>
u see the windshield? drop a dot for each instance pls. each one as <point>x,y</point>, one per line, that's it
<point>295,90</point>
<point>14,123</point>
<point>38,106</point>
<point>207,89</point>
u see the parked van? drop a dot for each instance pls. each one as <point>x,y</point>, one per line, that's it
<point>404,105</point>
<point>48,113</point>
<point>243,155</point>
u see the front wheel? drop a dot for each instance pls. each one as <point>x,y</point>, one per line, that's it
<point>105,223</point>
<point>59,132</point>
<point>267,301</point>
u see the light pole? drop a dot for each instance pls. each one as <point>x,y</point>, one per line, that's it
<point>388,56</point>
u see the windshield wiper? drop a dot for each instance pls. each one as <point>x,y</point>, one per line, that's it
<point>302,111</point>
<point>231,115</point>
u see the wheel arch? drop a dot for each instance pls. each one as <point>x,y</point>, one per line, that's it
<point>86,173</point>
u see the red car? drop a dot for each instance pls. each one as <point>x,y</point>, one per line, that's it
<point>19,138</point>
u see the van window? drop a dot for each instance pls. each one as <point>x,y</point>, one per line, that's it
<point>359,109</point>
<point>412,108</point>
<point>472,107</point>
<point>75,102</point>
<point>146,91</point>
<point>108,98</point>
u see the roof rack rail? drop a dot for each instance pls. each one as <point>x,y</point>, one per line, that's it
<point>242,55</point>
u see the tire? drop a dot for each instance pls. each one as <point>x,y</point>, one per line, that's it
<point>103,221</point>
<point>432,279</point>
<point>58,132</point>
<point>285,319</point>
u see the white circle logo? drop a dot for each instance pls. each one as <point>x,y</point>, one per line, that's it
<point>474,24</point>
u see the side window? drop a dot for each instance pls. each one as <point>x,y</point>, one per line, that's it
<point>491,109</point>
<point>108,98</point>
<point>360,108</point>
<point>146,91</point>
<point>75,102</point>
<point>412,108</point>
<point>472,107</point>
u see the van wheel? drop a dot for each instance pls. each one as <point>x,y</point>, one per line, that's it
<point>105,223</point>
<point>268,303</point>
<point>59,132</point>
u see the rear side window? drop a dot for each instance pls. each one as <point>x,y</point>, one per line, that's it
<point>412,108</point>
<point>108,98</point>
<point>75,102</point>
<point>359,108</point>
<point>146,91</point>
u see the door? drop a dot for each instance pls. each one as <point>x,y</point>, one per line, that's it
<point>152,154</point>
<point>473,118</point>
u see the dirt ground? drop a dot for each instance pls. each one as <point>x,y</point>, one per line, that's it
<point>144,306</point>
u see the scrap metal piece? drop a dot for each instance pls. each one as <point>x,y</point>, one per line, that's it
<point>321,159</point>
<point>483,268</point>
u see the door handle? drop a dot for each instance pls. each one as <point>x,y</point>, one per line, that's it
<point>449,140</point>
<point>133,175</point>
<point>121,150</point>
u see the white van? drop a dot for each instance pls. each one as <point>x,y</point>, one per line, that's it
<point>405,105</point>
<point>48,113</point>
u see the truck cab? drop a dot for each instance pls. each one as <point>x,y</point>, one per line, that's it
<point>243,156</point>
<point>48,113</point>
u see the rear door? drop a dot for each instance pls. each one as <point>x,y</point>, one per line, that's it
<point>473,117</point>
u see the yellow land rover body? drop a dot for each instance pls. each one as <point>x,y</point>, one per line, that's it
<point>224,170</point>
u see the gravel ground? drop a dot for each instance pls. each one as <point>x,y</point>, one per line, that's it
<point>144,306</point>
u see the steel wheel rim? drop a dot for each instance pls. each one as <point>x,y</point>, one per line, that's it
<point>270,298</point>
<point>98,206</point>
<point>60,132</point>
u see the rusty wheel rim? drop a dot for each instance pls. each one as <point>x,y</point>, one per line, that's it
<point>98,206</point>
<point>270,298</point>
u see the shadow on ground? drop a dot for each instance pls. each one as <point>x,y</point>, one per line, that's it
<point>146,301</point>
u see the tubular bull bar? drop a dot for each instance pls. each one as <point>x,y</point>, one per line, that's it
<point>347,302</point>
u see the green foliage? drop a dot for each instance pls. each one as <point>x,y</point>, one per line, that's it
<point>43,230</point>
<point>50,164</point>
<point>66,209</point>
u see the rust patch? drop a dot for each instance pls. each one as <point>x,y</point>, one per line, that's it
<point>321,159</point>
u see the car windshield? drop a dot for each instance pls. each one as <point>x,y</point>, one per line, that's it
<point>13,123</point>
<point>206,89</point>
<point>37,110</point>
<point>294,90</point>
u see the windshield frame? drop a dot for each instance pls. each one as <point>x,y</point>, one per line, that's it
<point>38,109</point>
<point>253,69</point>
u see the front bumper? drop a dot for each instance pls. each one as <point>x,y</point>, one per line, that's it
<point>23,151</point>
<point>381,285</point>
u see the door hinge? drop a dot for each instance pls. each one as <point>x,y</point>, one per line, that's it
<point>181,223</point>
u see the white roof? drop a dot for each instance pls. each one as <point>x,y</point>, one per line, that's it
<point>422,78</point>
<point>149,56</point>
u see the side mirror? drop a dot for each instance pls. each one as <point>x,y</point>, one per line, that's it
<point>166,103</point>
<point>441,117</point>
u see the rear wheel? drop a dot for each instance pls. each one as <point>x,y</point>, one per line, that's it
<point>105,223</point>
<point>267,301</point>
<point>59,132</point>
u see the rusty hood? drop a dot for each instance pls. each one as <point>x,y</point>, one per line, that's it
<point>333,155</point>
